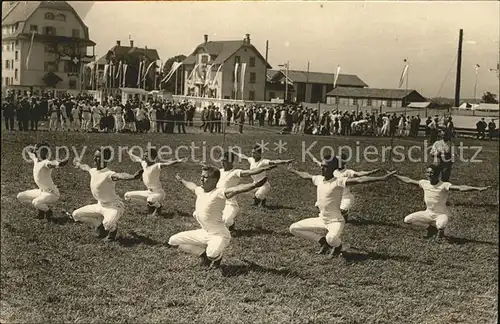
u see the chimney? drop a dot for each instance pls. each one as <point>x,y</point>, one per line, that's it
<point>247,38</point>
<point>131,43</point>
<point>118,43</point>
<point>206,38</point>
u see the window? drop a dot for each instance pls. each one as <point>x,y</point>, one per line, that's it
<point>16,55</point>
<point>15,74</point>
<point>61,17</point>
<point>34,28</point>
<point>50,67</point>
<point>50,30</point>
<point>67,66</point>
<point>11,64</point>
<point>72,84</point>
<point>251,95</point>
<point>76,33</point>
<point>369,102</point>
<point>7,64</point>
<point>49,16</point>
<point>17,43</point>
<point>237,59</point>
<point>252,77</point>
<point>252,61</point>
<point>204,59</point>
<point>355,101</point>
<point>48,48</point>
<point>6,81</point>
<point>389,103</point>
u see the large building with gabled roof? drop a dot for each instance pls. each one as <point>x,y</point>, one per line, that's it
<point>226,70</point>
<point>55,39</point>
<point>308,86</point>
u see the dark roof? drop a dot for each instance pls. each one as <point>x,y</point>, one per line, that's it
<point>370,93</point>
<point>344,80</point>
<point>220,51</point>
<point>271,86</point>
<point>151,54</point>
<point>20,11</point>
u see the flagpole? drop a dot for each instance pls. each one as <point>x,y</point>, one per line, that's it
<point>407,74</point>
<point>475,85</point>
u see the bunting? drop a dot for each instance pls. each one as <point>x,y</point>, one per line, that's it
<point>29,51</point>
<point>125,66</point>
<point>243,69</point>
<point>336,76</point>
<point>403,74</point>
<point>139,75</point>
<point>235,87</point>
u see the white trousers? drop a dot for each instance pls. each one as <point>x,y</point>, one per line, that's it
<point>76,124</point>
<point>97,122</point>
<point>118,122</point>
<point>152,124</point>
<point>39,199</point>
<point>153,197</point>
<point>314,229</point>
<point>262,192</point>
<point>229,214</point>
<point>107,214</point>
<point>65,124</point>
<point>198,241</point>
<point>426,218</point>
<point>53,123</point>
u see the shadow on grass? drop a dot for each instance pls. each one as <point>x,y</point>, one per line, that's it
<point>61,220</point>
<point>462,240</point>
<point>364,221</point>
<point>136,239</point>
<point>256,232</point>
<point>278,207</point>
<point>182,213</point>
<point>243,269</point>
<point>351,256</point>
<point>474,204</point>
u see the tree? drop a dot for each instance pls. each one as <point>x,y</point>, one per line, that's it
<point>489,97</point>
<point>170,85</point>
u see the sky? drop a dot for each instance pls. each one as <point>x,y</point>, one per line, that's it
<point>368,39</point>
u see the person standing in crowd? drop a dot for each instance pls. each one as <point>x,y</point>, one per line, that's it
<point>75,113</point>
<point>181,120</point>
<point>481,128</point>
<point>442,152</point>
<point>491,129</point>
<point>8,114</point>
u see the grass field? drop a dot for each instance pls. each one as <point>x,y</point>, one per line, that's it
<point>60,272</point>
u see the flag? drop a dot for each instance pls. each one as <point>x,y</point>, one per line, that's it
<point>336,76</point>
<point>243,68</point>
<point>235,78</point>
<point>477,68</point>
<point>174,67</point>
<point>105,76</point>
<point>403,74</point>
<point>29,51</point>
<point>139,74</point>
<point>119,70</point>
<point>149,68</point>
<point>208,75</point>
<point>125,66</point>
<point>191,75</point>
<point>214,81</point>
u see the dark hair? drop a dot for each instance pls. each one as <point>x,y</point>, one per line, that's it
<point>105,153</point>
<point>229,156</point>
<point>212,171</point>
<point>434,168</point>
<point>153,153</point>
<point>257,148</point>
<point>43,148</point>
<point>332,161</point>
